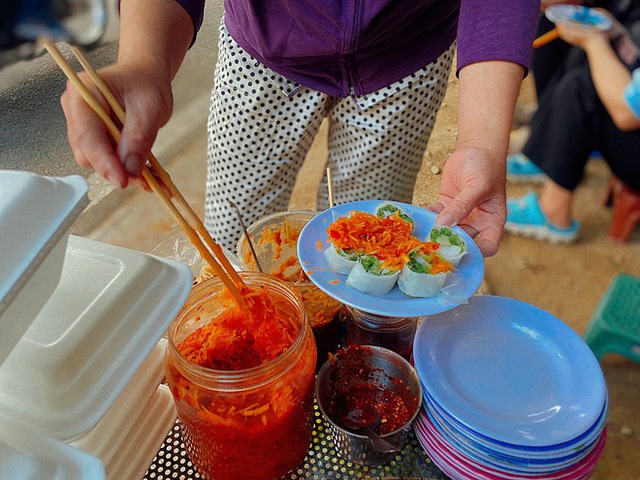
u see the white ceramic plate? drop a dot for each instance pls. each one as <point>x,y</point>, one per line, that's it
<point>110,309</point>
<point>510,371</point>
<point>460,286</point>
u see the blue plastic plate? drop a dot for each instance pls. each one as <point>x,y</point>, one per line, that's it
<point>459,287</point>
<point>578,15</point>
<point>510,372</point>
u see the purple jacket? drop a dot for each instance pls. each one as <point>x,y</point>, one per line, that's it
<point>344,47</point>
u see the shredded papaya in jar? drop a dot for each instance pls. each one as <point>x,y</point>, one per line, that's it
<point>241,338</point>
<point>280,236</point>
<point>249,417</point>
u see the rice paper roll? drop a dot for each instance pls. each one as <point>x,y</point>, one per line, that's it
<point>424,274</point>
<point>385,209</point>
<point>369,276</point>
<point>452,246</point>
<point>340,261</point>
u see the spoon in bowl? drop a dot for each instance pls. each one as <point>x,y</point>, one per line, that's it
<point>365,420</point>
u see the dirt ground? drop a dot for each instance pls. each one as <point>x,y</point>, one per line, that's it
<point>567,281</point>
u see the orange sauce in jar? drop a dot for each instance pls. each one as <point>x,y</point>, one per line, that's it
<point>243,379</point>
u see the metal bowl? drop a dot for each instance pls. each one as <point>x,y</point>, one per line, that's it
<point>386,367</point>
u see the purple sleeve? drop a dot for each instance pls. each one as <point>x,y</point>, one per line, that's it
<point>195,9</point>
<point>497,30</point>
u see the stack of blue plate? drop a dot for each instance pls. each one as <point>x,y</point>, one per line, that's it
<point>509,392</point>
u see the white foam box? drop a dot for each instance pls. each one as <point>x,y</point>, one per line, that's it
<point>105,439</point>
<point>110,309</point>
<point>36,213</point>
<point>146,437</point>
<point>27,454</point>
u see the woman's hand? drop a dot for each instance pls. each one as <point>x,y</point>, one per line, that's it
<point>472,189</point>
<point>584,37</point>
<point>154,38</point>
<point>472,195</point>
<point>146,97</point>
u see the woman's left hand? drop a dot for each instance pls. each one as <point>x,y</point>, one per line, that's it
<point>472,195</point>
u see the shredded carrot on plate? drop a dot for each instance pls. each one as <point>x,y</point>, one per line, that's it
<point>389,239</point>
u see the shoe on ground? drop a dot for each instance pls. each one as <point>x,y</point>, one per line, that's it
<point>525,217</point>
<point>521,169</point>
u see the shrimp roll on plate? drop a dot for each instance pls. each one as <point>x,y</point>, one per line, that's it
<point>452,246</point>
<point>424,274</point>
<point>370,276</point>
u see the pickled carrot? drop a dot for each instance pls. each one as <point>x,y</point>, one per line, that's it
<point>243,338</point>
<point>389,239</point>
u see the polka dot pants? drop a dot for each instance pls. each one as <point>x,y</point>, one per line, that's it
<point>261,126</point>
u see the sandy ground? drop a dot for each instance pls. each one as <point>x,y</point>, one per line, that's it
<point>567,281</point>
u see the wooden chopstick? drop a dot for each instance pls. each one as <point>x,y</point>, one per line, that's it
<point>221,266</point>
<point>330,187</point>
<point>545,38</point>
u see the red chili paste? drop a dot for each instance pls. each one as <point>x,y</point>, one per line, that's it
<point>356,386</point>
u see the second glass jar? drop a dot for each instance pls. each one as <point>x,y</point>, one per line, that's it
<point>394,333</point>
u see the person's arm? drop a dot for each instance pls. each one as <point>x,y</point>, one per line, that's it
<point>154,38</point>
<point>610,75</point>
<point>472,190</point>
<point>494,50</point>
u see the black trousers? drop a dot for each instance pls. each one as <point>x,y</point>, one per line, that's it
<point>571,122</point>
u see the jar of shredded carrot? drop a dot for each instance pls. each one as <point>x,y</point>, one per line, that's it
<point>275,241</point>
<point>242,378</point>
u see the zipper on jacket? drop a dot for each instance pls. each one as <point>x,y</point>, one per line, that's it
<point>352,30</point>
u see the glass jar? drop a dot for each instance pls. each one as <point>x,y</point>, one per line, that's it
<point>394,333</point>
<point>251,423</point>
<point>275,241</point>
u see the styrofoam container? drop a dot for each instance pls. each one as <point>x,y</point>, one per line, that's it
<point>110,309</point>
<point>145,438</point>
<point>36,213</point>
<point>26,454</point>
<point>105,439</point>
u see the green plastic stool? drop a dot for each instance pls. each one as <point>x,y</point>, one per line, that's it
<point>615,324</point>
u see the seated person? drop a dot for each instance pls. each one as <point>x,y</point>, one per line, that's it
<point>589,106</point>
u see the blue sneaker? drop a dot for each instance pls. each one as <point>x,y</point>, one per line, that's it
<point>525,217</point>
<point>521,169</point>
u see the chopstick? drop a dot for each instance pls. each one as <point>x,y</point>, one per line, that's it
<point>220,265</point>
<point>246,234</point>
<point>330,186</point>
<point>545,38</point>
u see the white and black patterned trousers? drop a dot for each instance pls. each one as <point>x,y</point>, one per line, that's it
<point>261,126</point>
